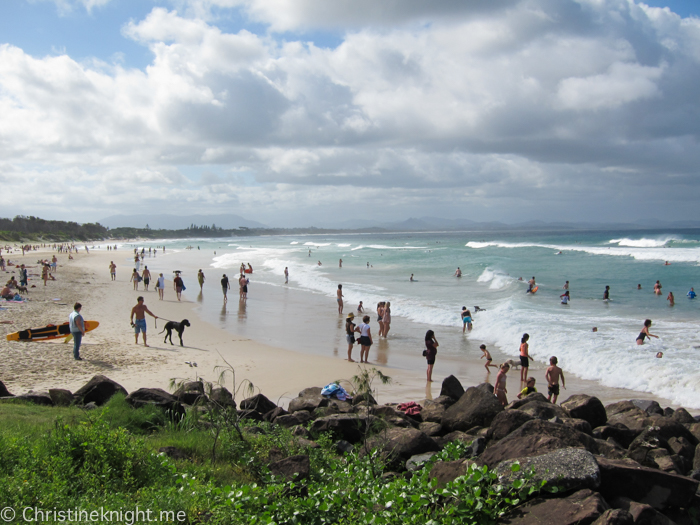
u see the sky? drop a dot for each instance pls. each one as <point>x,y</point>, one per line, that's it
<point>317,112</point>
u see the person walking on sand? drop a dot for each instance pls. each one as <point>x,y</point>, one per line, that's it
<point>200,279</point>
<point>645,332</point>
<point>499,388</point>
<point>524,357</point>
<point>77,329</point>
<point>113,270</point>
<point>243,283</point>
<point>431,345</point>
<point>365,339</point>
<point>178,285</point>
<point>146,277</point>
<point>339,298</point>
<point>387,318</point>
<point>160,285</point>
<point>225,287</point>
<point>657,288</point>
<point>671,300</point>
<point>286,275</point>
<point>135,278</point>
<point>350,330</point>
<point>552,376</point>
<point>488,357</point>
<point>140,311</point>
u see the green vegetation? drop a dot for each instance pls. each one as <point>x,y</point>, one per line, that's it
<point>107,458</point>
<point>35,229</point>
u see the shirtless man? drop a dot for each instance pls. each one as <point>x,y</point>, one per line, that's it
<point>458,272</point>
<point>146,275</point>
<point>113,270</point>
<point>531,284</point>
<point>552,376</point>
<point>140,311</point>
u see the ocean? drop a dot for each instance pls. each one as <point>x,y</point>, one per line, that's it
<point>376,267</point>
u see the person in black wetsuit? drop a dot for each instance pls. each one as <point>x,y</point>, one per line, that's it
<point>645,332</point>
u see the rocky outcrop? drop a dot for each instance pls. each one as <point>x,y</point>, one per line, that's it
<point>98,390</point>
<point>349,427</point>
<point>581,508</point>
<point>38,398</point>
<point>402,443</point>
<point>259,403</point>
<point>292,468</point>
<point>4,392</point>
<point>156,397</point>
<point>452,388</point>
<point>476,407</point>
<point>588,408</point>
<point>222,397</point>
<point>61,397</point>
<point>506,422</point>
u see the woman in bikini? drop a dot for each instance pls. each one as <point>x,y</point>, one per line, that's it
<point>645,332</point>
<point>387,318</point>
<point>380,318</point>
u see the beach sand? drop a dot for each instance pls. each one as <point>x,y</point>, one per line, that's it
<point>239,334</point>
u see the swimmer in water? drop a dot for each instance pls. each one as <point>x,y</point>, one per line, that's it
<point>639,287</point>
<point>691,294</point>
<point>657,288</point>
<point>411,279</point>
<point>645,332</point>
<point>606,294</point>
<point>671,300</point>
<point>458,272</point>
<point>565,297</point>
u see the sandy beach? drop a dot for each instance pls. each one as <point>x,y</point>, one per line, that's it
<point>236,336</point>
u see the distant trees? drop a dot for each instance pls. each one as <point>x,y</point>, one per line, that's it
<point>33,226</point>
<point>212,228</point>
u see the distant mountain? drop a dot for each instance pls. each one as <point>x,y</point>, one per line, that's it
<point>176,222</point>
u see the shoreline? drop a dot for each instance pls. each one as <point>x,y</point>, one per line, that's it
<point>278,371</point>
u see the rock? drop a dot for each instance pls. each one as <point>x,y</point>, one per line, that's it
<point>543,410</point>
<point>579,424</point>
<point>534,438</point>
<point>694,474</point>
<point>90,406</point>
<point>615,517</point>
<point>430,429</point>
<point>668,463</point>
<point>308,402</point>
<point>343,447</point>
<point>418,461</point>
<point>619,432</point>
<point>98,390</point>
<point>258,402</point>
<point>39,398</point>
<point>644,443</point>
<point>477,447</point>
<point>307,443</point>
<point>668,412</point>
<point>624,478</point>
<point>588,408</point>
<point>669,428</point>
<point>535,397</point>
<point>253,415</point>
<point>448,471</point>
<point>292,468</point>
<point>349,427</point>
<point>696,458</point>
<point>649,406</point>
<point>433,412</point>
<point>626,413</point>
<point>254,430</point>
<point>365,398</point>
<point>682,447</point>
<point>642,514</point>
<point>173,452</point>
<point>274,413</point>
<point>385,411</point>
<point>476,407</point>
<point>402,443</point>
<point>567,468</point>
<point>451,387</point>
<point>610,449</point>
<point>221,397</point>
<point>156,397</point>
<point>506,422</point>
<point>191,392</point>
<point>287,420</point>
<point>682,416</point>
<point>311,391</point>
<point>581,508</point>
<point>4,392</point>
<point>61,397</point>
<point>446,401</point>
<point>453,436</point>
<point>300,431</point>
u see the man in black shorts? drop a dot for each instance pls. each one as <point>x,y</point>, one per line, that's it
<point>225,287</point>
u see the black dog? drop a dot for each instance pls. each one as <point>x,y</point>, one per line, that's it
<point>178,327</point>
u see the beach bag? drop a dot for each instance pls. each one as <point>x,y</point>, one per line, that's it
<point>183,286</point>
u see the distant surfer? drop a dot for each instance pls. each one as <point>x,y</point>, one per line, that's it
<point>667,263</point>
<point>645,332</point>
<point>691,294</point>
<point>531,285</point>
<point>606,294</point>
<point>458,272</point>
<point>140,311</point>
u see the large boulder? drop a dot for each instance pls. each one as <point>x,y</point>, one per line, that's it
<point>615,517</point>
<point>258,402</point>
<point>432,411</point>
<point>581,508</point>
<point>221,397</point>
<point>309,399</point>
<point>534,438</point>
<point>682,416</point>
<point>156,397</point>
<point>476,407</point>
<point>579,424</point>
<point>619,432</point>
<point>402,443</point>
<point>669,428</point>
<point>36,398</point>
<point>61,397</point>
<point>191,392</point>
<point>4,392</point>
<point>588,408</point>
<point>648,405</point>
<point>642,514</point>
<point>507,421</point>
<point>624,478</point>
<point>696,458</point>
<point>535,397</point>
<point>544,410</point>
<point>293,467</point>
<point>451,387</point>
<point>98,390</point>
<point>626,413</point>
<point>566,468</point>
<point>448,471</point>
<point>350,427</point>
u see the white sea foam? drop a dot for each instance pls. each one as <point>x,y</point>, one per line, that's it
<point>383,247</point>
<point>317,243</point>
<point>294,242</point>
<point>343,245</point>
<point>643,243</point>
<point>498,280</point>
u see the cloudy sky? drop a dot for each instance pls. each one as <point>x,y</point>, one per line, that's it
<point>310,112</point>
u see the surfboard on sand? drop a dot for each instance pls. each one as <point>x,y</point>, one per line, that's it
<point>48,332</point>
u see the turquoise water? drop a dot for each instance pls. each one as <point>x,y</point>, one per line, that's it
<point>491,263</point>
